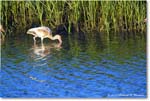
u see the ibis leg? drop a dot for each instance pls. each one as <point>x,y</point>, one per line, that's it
<point>41,40</point>
<point>34,39</point>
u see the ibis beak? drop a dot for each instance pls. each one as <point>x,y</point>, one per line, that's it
<point>60,40</point>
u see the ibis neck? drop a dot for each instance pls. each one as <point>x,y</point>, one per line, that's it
<point>52,37</point>
<point>56,37</point>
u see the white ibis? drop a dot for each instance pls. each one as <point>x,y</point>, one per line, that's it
<point>43,32</point>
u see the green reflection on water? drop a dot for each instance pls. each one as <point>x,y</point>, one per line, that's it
<point>95,47</point>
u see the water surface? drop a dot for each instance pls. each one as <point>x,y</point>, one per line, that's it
<point>91,68</point>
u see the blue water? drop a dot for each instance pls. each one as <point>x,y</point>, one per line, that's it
<point>79,69</point>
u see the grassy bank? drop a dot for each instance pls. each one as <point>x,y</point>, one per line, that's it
<point>82,15</point>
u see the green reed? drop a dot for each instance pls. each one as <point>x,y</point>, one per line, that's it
<point>103,16</point>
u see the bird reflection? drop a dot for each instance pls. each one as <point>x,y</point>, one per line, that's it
<point>39,52</point>
<point>39,55</point>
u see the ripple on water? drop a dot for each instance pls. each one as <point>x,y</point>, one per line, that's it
<point>52,73</point>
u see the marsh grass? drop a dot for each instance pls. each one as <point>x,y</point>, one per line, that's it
<point>102,16</point>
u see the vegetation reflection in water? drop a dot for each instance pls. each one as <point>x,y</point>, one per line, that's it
<point>92,68</point>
